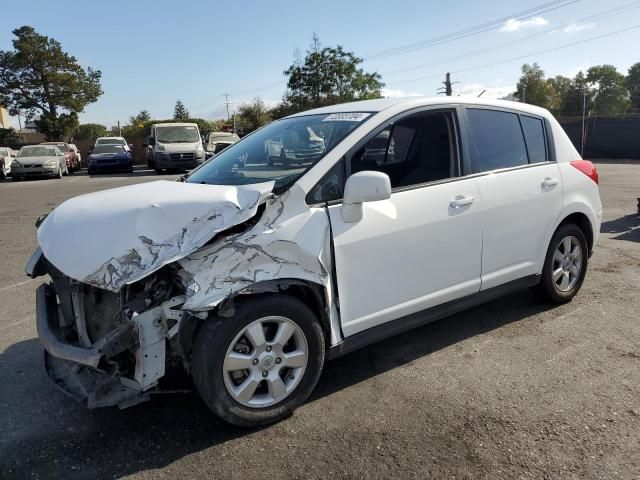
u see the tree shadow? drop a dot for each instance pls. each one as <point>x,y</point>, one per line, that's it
<point>627,228</point>
<point>46,434</point>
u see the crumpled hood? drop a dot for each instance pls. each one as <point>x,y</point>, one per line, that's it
<point>115,237</point>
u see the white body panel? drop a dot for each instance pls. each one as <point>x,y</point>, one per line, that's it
<point>518,216</point>
<point>408,253</point>
<point>118,236</point>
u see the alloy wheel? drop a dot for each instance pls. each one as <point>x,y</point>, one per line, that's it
<point>567,264</point>
<point>265,362</point>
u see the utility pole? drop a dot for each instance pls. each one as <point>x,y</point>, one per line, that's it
<point>584,108</point>
<point>447,90</point>
<point>119,129</point>
<point>227,103</point>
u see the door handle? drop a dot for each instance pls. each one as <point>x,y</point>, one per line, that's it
<point>461,201</point>
<point>550,182</point>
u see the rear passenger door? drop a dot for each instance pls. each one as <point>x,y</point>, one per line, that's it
<point>520,187</point>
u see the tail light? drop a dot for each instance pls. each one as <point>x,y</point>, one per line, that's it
<point>588,168</point>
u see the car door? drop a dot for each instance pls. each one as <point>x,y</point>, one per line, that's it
<point>520,188</point>
<point>421,247</point>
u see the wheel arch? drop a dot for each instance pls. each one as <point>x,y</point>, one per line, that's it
<point>582,220</point>
<point>310,293</point>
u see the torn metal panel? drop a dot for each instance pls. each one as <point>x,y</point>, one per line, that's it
<point>289,241</point>
<point>116,237</point>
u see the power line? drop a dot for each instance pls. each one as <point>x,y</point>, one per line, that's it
<point>469,31</point>
<point>597,16</point>
<point>519,57</point>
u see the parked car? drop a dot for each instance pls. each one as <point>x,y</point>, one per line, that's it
<point>111,158</point>
<point>39,161</point>
<point>113,141</point>
<point>218,141</point>
<point>78,154</point>
<point>174,146</point>
<point>7,155</point>
<point>249,278</point>
<point>295,145</point>
<point>73,162</point>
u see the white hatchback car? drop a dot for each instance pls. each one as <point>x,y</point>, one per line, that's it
<point>249,276</point>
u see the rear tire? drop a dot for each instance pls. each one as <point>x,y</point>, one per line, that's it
<point>279,383</point>
<point>565,265</point>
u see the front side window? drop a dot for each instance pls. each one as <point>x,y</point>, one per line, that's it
<point>496,140</point>
<point>536,142</point>
<point>175,134</point>
<point>304,141</point>
<point>414,150</point>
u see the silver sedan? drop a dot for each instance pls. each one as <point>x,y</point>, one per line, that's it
<point>39,161</point>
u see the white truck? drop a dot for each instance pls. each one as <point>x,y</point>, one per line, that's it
<point>174,146</point>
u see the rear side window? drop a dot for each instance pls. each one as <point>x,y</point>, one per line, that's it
<point>496,140</point>
<point>534,134</point>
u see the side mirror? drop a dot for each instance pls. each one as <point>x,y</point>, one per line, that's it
<point>152,141</point>
<point>367,186</point>
<point>131,146</point>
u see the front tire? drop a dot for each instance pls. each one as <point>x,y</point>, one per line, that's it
<point>257,367</point>
<point>565,265</point>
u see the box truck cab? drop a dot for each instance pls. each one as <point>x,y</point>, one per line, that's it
<point>174,146</point>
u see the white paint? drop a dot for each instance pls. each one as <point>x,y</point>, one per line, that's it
<point>400,259</point>
<point>118,236</point>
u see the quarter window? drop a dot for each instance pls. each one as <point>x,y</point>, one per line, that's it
<point>534,134</point>
<point>496,140</point>
<point>414,150</point>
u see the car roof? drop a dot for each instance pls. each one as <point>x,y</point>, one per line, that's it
<point>175,124</point>
<point>380,104</point>
<point>110,138</point>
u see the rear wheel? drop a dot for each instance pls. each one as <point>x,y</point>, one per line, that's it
<point>257,367</point>
<point>565,265</point>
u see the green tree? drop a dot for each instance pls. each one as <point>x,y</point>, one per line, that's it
<point>140,118</point>
<point>610,90</point>
<point>579,96</point>
<point>38,77</point>
<point>9,136</point>
<point>90,131</point>
<point>327,76</point>
<point>533,88</point>
<point>633,85</point>
<point>561,86</point>
<point>252,116</point>
<point>180,112</point>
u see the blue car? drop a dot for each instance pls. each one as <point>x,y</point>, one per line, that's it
<point>109,157</point>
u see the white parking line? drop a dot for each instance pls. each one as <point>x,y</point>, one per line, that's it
<point>15,285</point>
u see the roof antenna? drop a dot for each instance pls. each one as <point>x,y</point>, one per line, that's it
<point>482,92</point>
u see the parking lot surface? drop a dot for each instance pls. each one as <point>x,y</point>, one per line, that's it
<point>510,389</point>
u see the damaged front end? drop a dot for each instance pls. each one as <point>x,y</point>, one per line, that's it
<point>109,348</point>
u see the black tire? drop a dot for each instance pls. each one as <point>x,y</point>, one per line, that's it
<point>59,174</point>
<point>547,290</point>
<point>16,179</point>
<point>159,171</point>
<point>213,339</point>
<point>91,172</point>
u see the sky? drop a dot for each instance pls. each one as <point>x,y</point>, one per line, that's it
<point>152,53</point>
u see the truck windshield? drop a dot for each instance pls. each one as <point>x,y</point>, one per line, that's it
<point>280,152</point>
<point>178,134</point>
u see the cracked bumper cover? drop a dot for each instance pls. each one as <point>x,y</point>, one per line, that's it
<point>84,373</point>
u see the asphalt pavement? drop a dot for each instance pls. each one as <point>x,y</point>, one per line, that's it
<point>510,389</point>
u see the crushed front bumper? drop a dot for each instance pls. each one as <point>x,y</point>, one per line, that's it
<point>87,374</point>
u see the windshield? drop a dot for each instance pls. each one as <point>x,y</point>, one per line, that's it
<point>4,152</point>
<point>182,134</point>
<point>108,149</point>
<point>37,152</point>
<point>111,141</point>
<point>281,152</point>
<point>61,146</point>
